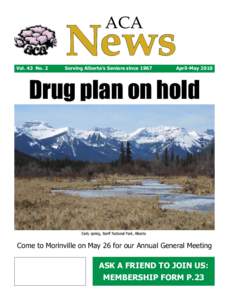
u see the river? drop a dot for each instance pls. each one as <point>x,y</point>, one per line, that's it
<point>170,195</point>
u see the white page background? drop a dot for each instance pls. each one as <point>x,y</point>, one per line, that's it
<point>200,30</point>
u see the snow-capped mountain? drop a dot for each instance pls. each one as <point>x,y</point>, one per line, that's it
<point>40,139</point>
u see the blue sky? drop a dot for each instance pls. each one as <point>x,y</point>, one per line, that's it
<point>124,117</point>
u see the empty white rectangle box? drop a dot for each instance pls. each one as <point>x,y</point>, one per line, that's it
<point>50,271</point>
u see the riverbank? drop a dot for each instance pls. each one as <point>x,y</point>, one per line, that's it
<point>200,185</point>
<point>36,207</point>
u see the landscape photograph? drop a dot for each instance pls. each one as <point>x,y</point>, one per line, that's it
<point>114,167</point>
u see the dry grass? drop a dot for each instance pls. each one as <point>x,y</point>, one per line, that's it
<point>36,207</point>
<point>100,182</point>
<point>200,185</point>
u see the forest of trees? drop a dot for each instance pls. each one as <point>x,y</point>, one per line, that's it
<point>166,164</point>
<point>125,154</point>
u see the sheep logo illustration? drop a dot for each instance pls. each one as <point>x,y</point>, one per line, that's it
<point>36,40</point>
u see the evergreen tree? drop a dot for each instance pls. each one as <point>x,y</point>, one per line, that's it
<point>177,160</point>
<point>212,151</point>
<point>172,157</point>
<point>188,160</point>
<point>122,157</point>
<point>166,157</point>
<point>157,156</point>
<point>128,153</point>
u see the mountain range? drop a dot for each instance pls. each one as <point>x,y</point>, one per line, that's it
<point>39,139</point>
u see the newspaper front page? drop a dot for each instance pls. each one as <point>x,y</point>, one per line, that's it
<point>113,125</point>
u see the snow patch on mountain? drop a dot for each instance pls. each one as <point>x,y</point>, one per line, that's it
<point>104,143</point>
<point>41,130</point>
<point>164,134</point>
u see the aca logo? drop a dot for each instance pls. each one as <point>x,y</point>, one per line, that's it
<point>36,40</point>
